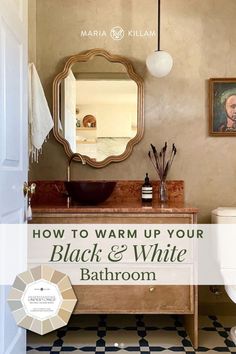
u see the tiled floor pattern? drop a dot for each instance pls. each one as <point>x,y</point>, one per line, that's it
<point>138,334</point>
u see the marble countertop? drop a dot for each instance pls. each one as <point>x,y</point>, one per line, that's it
<point>126,198</point>
<point>116,207</point>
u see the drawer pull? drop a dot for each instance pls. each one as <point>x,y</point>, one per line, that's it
<point>151,289</point>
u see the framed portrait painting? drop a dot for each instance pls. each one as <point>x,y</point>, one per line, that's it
<point>222,107</point>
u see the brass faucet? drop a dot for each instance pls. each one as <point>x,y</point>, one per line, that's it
<point>69,163</point>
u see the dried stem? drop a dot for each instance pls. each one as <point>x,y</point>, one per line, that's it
<point>159,160</point>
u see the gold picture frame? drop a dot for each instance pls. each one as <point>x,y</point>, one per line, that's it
<point>222,107</point>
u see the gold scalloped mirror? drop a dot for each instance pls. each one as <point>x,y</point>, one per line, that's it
<point>98,107</point>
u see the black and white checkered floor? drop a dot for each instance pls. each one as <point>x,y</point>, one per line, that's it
<point>134,334</point>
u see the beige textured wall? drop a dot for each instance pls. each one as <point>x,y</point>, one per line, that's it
<point>200,36</point>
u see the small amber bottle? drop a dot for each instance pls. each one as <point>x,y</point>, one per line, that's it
<point>147,190</point>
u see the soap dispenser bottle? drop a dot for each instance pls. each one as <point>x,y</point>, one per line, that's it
<point>147,190</point>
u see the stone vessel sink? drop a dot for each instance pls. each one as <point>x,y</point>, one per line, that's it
<point>89,192</point>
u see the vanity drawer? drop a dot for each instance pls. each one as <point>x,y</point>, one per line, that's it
<point>134,299</point>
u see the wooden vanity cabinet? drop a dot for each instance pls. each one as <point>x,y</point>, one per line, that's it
<point>130,299</point>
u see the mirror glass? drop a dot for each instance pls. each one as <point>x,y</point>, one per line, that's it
<point>98,108</point>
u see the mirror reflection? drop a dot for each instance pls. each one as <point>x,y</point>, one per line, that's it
<point>98,108</point>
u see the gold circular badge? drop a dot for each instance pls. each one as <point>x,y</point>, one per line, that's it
<point>42,299</point>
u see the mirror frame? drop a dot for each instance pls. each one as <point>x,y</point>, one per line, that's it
<point>84,57</point>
